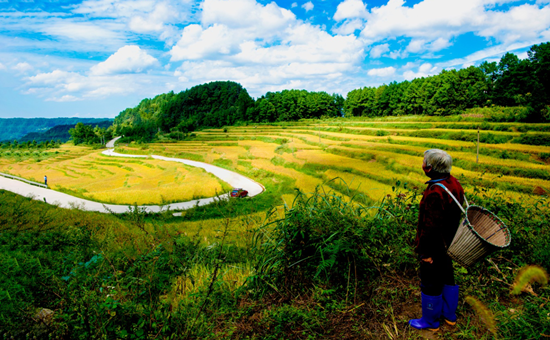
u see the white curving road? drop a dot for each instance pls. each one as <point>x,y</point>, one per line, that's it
<point>67,201</point>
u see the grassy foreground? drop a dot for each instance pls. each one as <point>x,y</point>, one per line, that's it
<point>323,268</point>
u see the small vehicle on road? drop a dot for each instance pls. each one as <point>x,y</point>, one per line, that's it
<point>239,192</point>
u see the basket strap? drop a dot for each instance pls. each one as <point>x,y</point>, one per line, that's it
<point>453,196</point>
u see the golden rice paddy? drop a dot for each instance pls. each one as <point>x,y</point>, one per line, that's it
<point>89,174</point>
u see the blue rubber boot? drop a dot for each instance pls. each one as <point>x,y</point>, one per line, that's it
<point>431,312</point>
<point>450,303</point>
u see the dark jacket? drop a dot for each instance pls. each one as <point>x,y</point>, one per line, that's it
<point>438,217</point>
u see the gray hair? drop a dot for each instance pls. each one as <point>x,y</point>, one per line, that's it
<point>439,160</point>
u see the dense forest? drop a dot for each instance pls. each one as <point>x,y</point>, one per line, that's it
<point>511,82</point>
<point>17,128</point>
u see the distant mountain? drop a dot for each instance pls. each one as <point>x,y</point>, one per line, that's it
<point>60,132</point>
<point>16,128</point>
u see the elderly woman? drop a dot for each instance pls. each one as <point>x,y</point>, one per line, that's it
<point>438,220</point>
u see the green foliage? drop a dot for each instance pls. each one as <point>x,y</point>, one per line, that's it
<point>86,134</point>
<point>533,139</point>
<point>326,241</point>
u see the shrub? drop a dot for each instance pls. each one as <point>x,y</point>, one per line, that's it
<point>325,240</point>
<point>533,139</point>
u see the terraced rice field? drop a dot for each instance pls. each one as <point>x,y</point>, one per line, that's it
<point>360,158</point>
<point>368,158</point>
<point>86,173</point>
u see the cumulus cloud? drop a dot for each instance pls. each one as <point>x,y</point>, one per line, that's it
<point>141,16</point>
<point>382,72</point>
<point>246,14</point>
<point>431,20</point>
<point>308,6</point>
<point>253,44</point>
<point>68,80</point>
<point>228,24</point>
<point>60,85</point>
<point>246,41</point>
<point>350,9</point>
<point>65,98</point>
<point>377,51</point>
<point>23,67</point>
<point>127,59</point>
<point>257,80</point>
<point>425,70</point>
<point>154,21</point>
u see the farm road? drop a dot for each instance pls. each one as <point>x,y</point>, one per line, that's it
<point>67,201</point>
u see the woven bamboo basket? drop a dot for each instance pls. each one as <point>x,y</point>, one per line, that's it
<point>479,234</point>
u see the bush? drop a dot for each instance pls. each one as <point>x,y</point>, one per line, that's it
<point>532,139</point>
<point>326,241</point>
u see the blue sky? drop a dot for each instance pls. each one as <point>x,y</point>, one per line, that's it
<point>94,58</point>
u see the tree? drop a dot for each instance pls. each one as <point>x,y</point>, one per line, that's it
<point>82,133</point>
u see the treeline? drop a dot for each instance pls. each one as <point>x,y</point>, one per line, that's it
<point>510,82</point>
<point>220,103</point>
<point>17,128</point>
<point>86,134</point>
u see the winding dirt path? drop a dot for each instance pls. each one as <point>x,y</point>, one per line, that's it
<point>67,201</point>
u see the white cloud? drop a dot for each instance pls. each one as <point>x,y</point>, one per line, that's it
<point>127,59</point>
<point>303,44</point>
<point>199,43</point>
<point>2,67</point>
<point>65,98</point>
<point>153,21</point>
<point>61,86</point>
<point>348,26</point>
<point>491,53</point>
<point>308,6</point>
<point>114,8</point>
<point>81,31</point>
<point>436,21</point>
<point>382,72</point>
<point>350,9</point>
<point>294,4</point>
<point>262,47</point>
<point>23,67</point>
<point>398,54</point>
<point>56,77</point>
<point>377,51</point>
<point>228,24</point>
<point>246,14</point>
<point>425,70</point>
<point>517,24</point>
<point>257,80</point>
<point>141,16</point>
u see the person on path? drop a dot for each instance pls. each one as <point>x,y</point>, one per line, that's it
<point>46,180</point>
<point>438,220</point>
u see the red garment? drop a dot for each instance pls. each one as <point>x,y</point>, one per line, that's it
<point>438,217</point>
